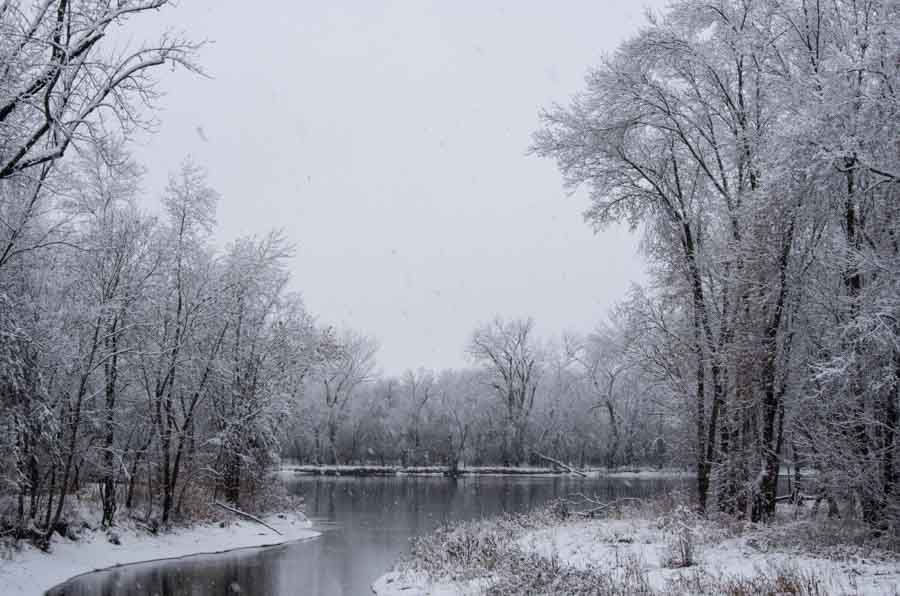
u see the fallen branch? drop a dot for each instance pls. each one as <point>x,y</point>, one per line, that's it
<point>796,498</point>
<point>597,506</point>
<point>560,464</point>
<point>247,515</point>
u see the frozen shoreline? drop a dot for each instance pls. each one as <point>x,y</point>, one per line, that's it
<point>364,470</point>
<point>633,554</point>
<point>31,572</point>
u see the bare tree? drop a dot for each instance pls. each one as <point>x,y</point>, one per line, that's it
<point>348,361</point>
<point>510,355</point>
<point>419,388</point>
<point>61,82</point>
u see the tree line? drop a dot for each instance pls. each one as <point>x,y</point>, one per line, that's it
<point>575,398</point>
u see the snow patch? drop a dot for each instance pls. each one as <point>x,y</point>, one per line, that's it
<point>622,546</point>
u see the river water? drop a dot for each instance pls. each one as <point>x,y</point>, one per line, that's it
<point>366,524</point>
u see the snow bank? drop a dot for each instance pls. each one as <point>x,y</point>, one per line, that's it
<point>626,548</point>
<point>378,470</point>
<point>352,470</point>
<point>614,544</point>
<point>31,572</point>
<point>409,583</point>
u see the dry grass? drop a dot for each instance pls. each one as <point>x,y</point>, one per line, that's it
<point>492,550</point>
<point>836,539</point>
<point>473,551</point>
<point>472,548</point>
<point>776,581</point>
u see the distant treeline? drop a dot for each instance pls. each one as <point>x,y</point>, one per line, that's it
<point>577,400</point>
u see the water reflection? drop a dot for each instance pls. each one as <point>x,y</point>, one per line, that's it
<point>366,525</point>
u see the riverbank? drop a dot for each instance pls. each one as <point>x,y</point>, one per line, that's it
<point>31,572</point>
<point>375,470</point>
<point>646,549</point>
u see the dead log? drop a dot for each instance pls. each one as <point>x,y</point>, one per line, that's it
<point>247,515</point>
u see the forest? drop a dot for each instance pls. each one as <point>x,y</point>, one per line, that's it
<point>752,144</point>
<point>573,398</point>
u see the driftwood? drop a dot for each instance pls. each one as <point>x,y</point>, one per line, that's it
<point>247,515</point>
<point>560,464</point>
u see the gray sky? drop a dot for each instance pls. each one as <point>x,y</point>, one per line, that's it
<point>388,140</point>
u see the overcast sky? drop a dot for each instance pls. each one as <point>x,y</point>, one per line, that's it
<point>388,140</point>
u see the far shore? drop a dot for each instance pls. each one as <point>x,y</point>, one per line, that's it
<point>379,470</point>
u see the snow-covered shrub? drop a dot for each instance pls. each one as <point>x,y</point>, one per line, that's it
<point>682,545</point>
<point>490,550</point>
<point>459,548</point>
<point>560,509</point>
<point>830,538</point>
<point>681,550</point>
<point>780,580</point>
<point>530,573</point>
<point>476,548</point>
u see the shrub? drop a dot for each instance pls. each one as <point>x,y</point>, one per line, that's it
<point>681,542</point>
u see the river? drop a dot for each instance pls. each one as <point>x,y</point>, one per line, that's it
<point>366,524</point>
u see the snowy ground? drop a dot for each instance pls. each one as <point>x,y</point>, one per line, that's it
<point>637,554</point>
<point>616,543</point>
<point>31,572</point>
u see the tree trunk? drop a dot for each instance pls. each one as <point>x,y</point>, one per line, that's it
<point>232,488</point>
<point>108,482</point>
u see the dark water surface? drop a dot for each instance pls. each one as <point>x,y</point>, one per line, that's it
<point>366,524</point>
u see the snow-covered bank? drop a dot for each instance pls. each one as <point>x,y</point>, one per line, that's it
<point>640,474</point>
<point>652,555</point>
<point>31,572</point>
<point>376,470</point>
<point>352,470</point>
